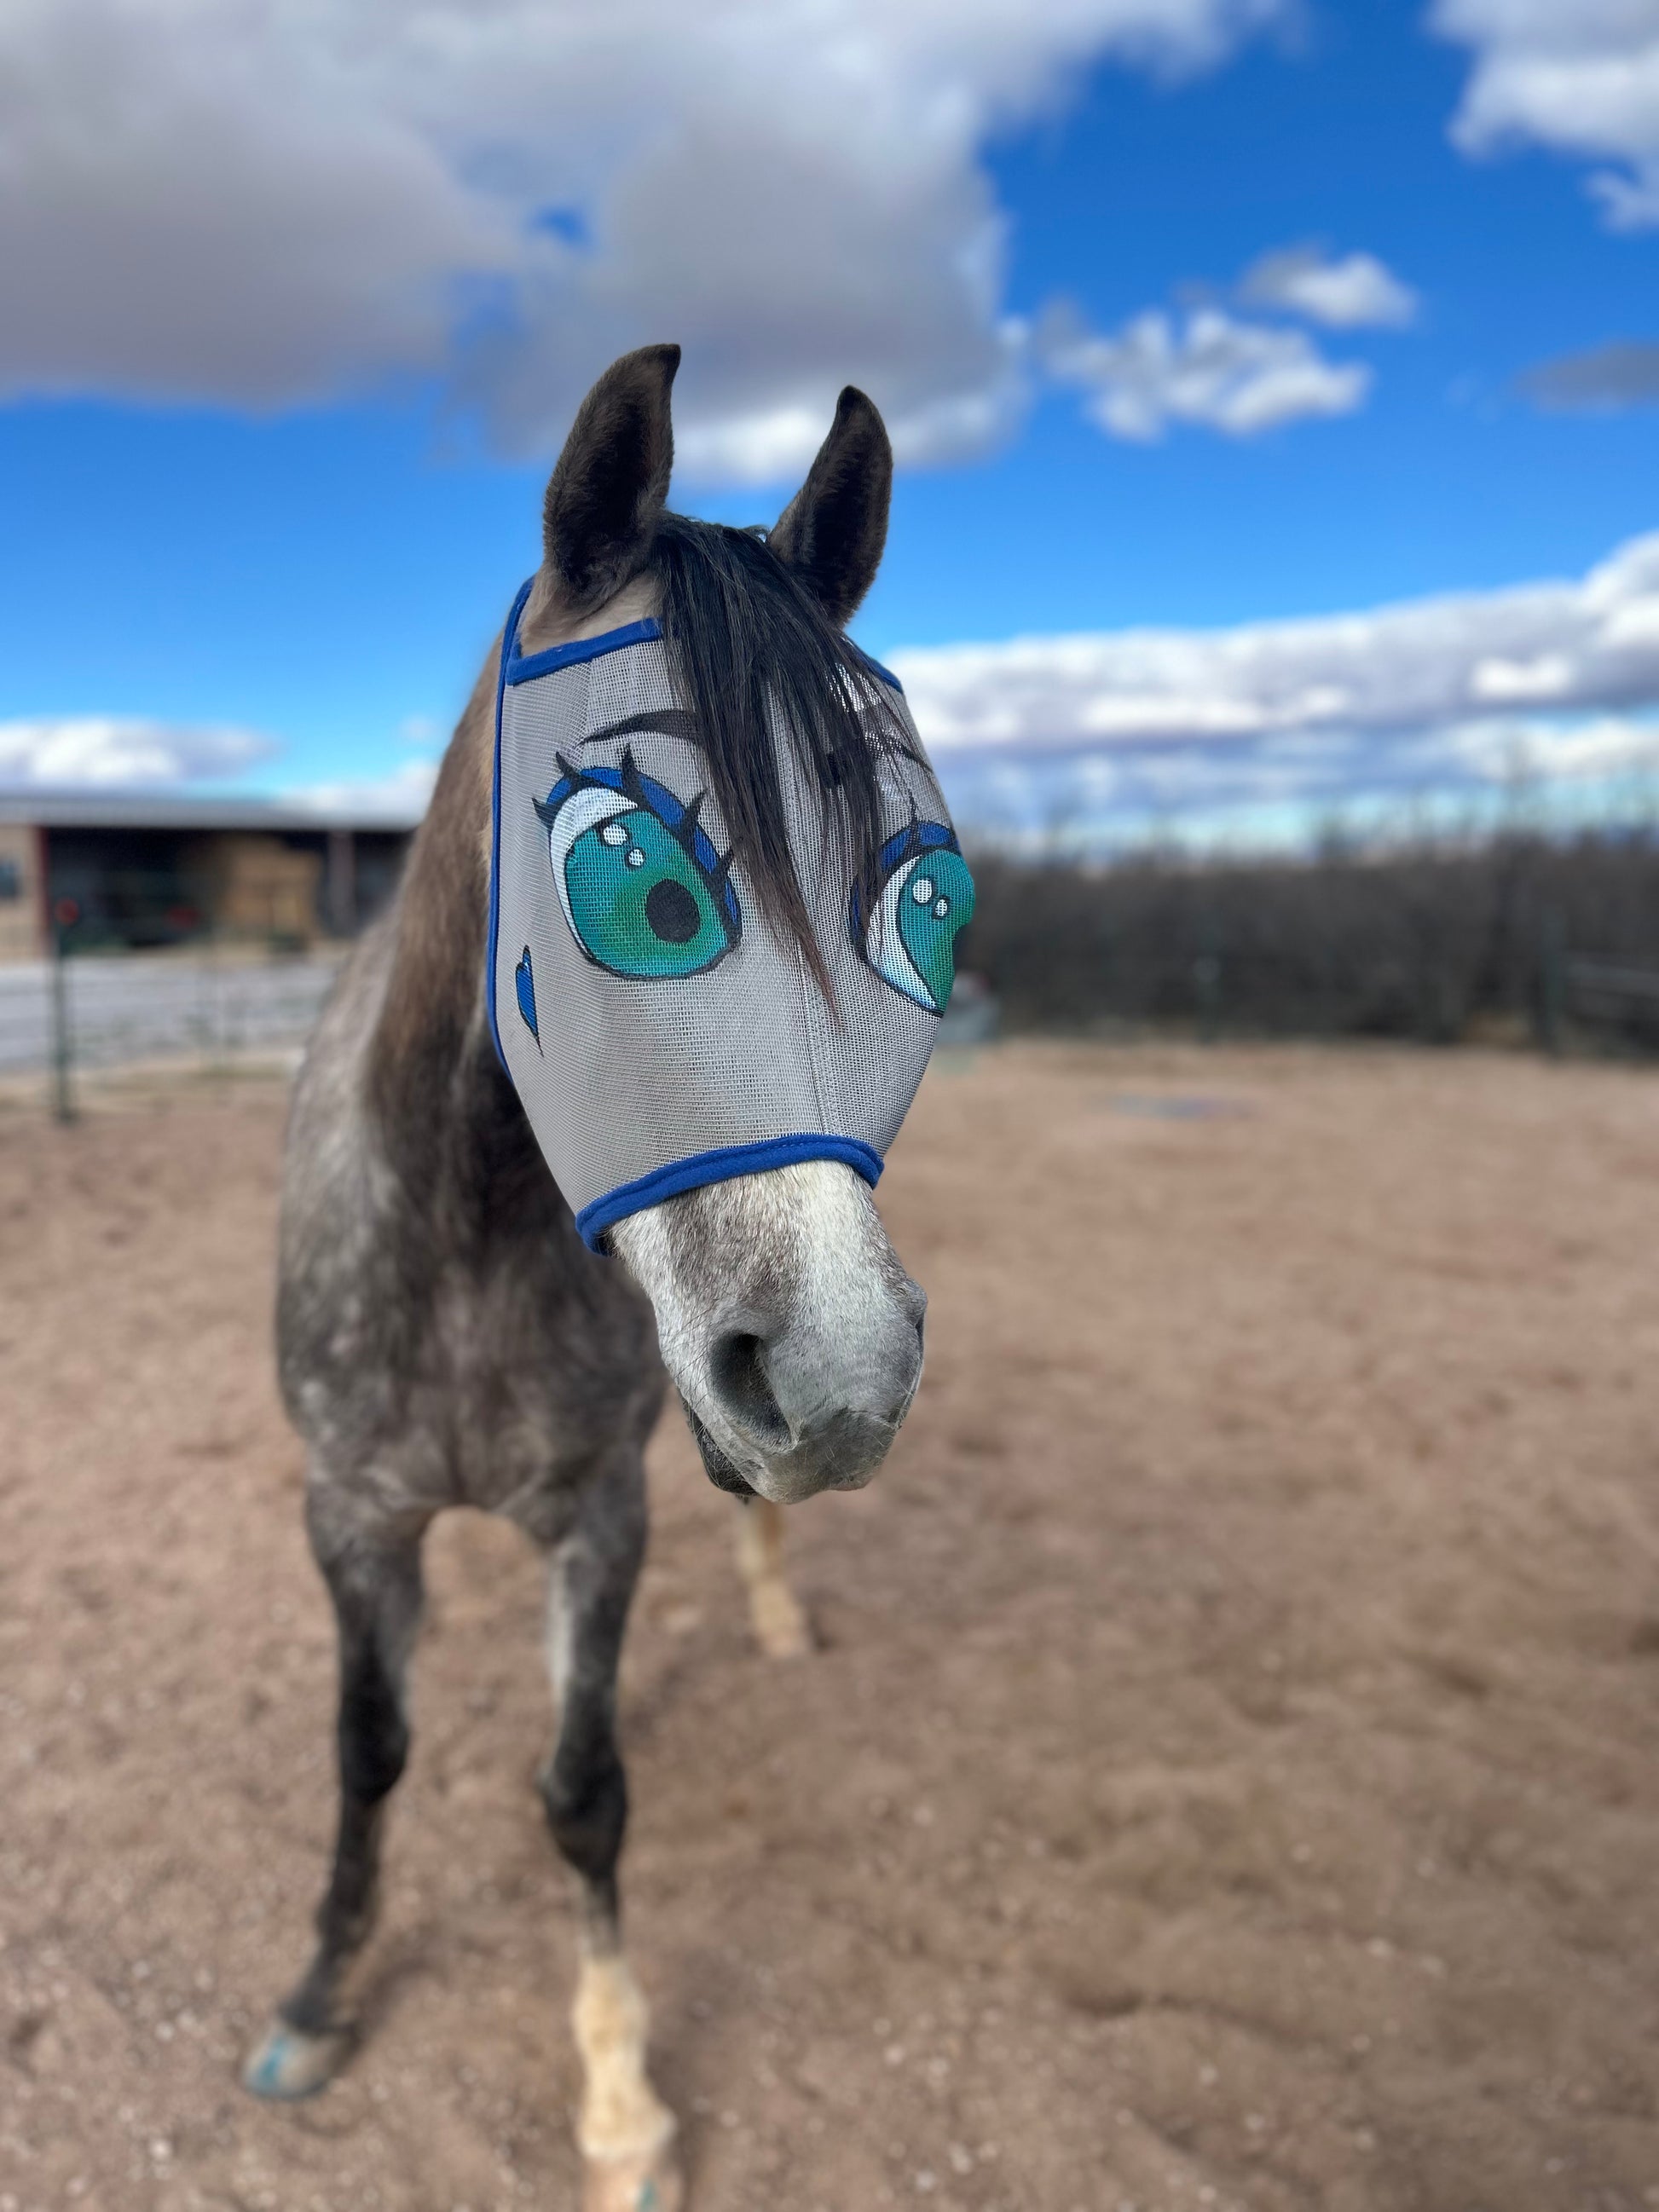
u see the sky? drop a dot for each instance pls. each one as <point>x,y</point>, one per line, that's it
<point>1274,383</point>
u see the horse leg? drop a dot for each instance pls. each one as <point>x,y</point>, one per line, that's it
<point>781,1628</point>
<point>625,2131</point>
<point>376,1589</point>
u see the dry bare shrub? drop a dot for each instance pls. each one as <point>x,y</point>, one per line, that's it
<point>1429,940</point>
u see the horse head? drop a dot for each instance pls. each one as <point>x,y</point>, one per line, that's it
<point>724,903</point>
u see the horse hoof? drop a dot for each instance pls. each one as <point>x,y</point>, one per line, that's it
<point>633,2184</point>
<point>781,1628</point>
<point>289,2064</point>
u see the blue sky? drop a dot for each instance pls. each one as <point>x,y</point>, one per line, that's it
<point>273,461</point>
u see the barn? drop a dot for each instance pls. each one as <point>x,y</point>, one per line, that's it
<point>130,870</point>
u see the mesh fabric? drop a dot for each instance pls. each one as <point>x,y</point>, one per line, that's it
<point>629,1080</point>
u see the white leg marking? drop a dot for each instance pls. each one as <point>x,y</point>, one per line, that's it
<point>626,2132</point>
<point>780,1626</point>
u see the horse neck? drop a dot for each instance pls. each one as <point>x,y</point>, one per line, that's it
<point>431,1074</point>
<point>435,1086</point>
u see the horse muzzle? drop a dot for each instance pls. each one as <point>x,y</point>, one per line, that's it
<point>786,1410</point>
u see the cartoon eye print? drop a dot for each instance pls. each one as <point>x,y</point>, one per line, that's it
<point>645,892</point>
<point>927,899</point>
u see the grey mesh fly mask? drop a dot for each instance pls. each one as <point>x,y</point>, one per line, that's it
<point>659,1034</point>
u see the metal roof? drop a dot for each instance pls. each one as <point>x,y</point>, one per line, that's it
<point>115,809</point>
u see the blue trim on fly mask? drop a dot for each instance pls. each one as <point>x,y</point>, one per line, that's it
<point>522,668</point>
<point>533,665</point>
<point>510,638</point>
<point>721,1165</point>
<point>876,669</point>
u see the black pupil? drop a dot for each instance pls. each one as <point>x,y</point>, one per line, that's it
<point>671,912</point>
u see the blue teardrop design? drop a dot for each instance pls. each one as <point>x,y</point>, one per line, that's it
<point>524,981</point>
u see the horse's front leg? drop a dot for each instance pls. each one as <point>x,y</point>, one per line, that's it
<point>374,1580</point>
<point>626,2133</point>
<point>776,1614</point>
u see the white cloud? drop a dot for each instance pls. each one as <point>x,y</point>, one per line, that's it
<point>1607,744</point>
<point>1280,790</point>
<point>111,749</point>
<point>1578,646</point>
<point>1355,293</point>
<point>1578,77</point>
<point>398,798</point>
<point>1546,676</point>
<point>1557,682</point>
<point>1213,370</point>
<point>228,201</point>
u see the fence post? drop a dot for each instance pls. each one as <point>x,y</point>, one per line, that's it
<point>62,1048</point>
<point>1552,983</point>
<point>1206,982</point>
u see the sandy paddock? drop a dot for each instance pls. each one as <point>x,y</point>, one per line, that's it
<point>1229,1778</point>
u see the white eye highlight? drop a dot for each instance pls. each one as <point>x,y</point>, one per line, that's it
<point>584,810</point>
<point>927,898</point>
<point>884,944</point>
<point>635,858</point>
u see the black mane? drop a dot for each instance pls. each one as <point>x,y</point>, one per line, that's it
<point>742,630</point>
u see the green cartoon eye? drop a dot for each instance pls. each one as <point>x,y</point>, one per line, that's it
<point>926,900</point>
<point>643,887</point>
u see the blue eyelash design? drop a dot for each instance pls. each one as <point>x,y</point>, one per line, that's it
<point>677,818</point>
<point>916,836</point>
<point>923,884</point>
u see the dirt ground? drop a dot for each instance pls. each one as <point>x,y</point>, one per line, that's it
<point>1231,1776</point>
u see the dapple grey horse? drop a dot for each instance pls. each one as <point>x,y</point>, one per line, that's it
<point>445,1338</point>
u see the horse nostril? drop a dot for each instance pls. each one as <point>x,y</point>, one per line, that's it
<point>736,1368</point>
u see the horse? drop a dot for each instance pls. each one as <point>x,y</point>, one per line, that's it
<point>446,1337</point>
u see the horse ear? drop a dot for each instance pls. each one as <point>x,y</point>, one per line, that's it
<point>610,481</point>
<point>833,531</point>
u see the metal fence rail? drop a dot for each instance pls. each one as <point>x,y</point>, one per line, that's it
<point>1606,979</point>
<point>117,1009</point>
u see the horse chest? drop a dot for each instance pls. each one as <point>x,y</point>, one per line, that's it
<point>527,1381</point>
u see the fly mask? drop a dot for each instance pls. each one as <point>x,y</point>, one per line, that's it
<point>660,1034</point>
